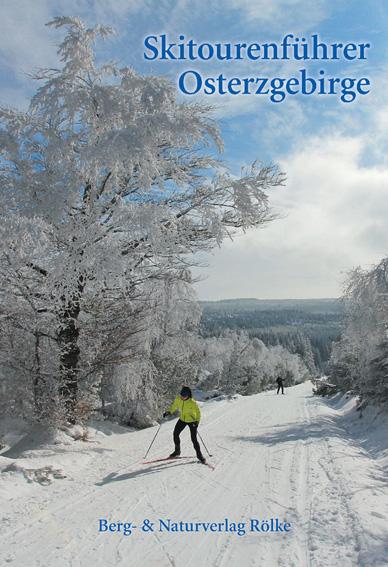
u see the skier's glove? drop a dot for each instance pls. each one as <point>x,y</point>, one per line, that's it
<point>166,413</point>
<point>195,423</point>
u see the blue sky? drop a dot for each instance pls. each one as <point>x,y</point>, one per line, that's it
<point>334,209</point>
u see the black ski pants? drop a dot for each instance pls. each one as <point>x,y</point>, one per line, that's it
<point>179,427</point>
<point>282,387</point>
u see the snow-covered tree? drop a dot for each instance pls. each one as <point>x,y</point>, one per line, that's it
<point>167,356</point>
<point>359,359</point>
<point>175,348</point>
<point>304,349</point>
<point>236,363</point>
<point>107,183</point>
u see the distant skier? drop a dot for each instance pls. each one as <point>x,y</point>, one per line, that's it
<point>279,382</point>
<point>189,415</point>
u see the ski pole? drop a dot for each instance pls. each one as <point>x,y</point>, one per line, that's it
<point>152,442</point>
<point>199,435</point>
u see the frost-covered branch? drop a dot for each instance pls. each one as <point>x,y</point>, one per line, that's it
<point>109,185</point>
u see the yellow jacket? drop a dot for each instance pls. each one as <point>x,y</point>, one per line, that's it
<point>188,409</point>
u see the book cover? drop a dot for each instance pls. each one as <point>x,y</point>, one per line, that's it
<point>193,283</point>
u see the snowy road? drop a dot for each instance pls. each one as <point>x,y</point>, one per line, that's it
<point>288,457</point>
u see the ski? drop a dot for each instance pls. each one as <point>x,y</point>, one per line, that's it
<point>164,459</point>
<point>160,460</point>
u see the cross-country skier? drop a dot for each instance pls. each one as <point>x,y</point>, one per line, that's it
<point>279,382</point>
<point>189,415</point>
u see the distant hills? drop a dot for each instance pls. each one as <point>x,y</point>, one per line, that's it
<point>311,305</point>
<point>287,322</point>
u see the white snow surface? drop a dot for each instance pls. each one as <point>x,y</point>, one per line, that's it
<point>302,459</point>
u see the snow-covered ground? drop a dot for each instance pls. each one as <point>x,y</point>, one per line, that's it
<point>294,458</point>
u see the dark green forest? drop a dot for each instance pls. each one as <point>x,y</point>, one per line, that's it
<point>296,324</point>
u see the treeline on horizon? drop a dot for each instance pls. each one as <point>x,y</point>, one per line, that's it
<point>296,325</point>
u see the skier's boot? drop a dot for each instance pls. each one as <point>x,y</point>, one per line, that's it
<point>202,459</point>
<point>176,453</point>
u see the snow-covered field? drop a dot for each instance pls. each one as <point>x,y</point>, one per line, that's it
<point>294,458</point>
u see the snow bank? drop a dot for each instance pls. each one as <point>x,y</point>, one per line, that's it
<point>213,395</point>
<point>369,426</point>
<point>11,431</point>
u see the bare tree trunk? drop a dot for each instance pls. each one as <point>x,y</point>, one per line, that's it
<point>39,383</point>
<point>68,339</point>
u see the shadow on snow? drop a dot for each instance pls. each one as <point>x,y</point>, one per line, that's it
<point>115,477</point>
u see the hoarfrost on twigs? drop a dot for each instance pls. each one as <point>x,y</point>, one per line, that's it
<point>107,183</point>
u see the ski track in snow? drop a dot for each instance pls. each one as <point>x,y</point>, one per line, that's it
<point>286,457</point>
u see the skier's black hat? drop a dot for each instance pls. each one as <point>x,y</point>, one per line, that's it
<point>186,392</point>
